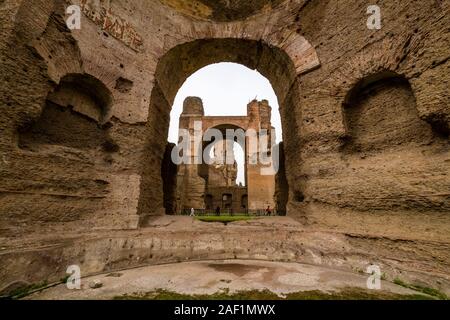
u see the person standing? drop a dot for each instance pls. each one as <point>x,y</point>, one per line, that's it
<point>218,211</point>
<point>192,212</point>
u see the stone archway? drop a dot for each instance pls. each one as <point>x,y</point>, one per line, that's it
<point>182,61</point>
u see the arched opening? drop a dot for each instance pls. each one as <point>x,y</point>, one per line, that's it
<point>380,112</point>
<point>225,89</point>
<point>75,115</point>
<point>225,173</point>
<point>68,151</point>
<point>181,62</point>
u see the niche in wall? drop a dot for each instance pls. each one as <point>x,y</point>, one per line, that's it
<point>75,116</point>
<point>381,113</point>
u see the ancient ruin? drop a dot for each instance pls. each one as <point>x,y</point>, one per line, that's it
<point>210,186</point>
<point>84,159</point>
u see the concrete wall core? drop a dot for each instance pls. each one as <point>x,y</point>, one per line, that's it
<point>365,117</point>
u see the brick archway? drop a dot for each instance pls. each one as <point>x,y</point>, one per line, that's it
<point>180,62</point>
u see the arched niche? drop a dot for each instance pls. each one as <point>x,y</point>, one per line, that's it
<point>380,112</point>
<point>75,115</point>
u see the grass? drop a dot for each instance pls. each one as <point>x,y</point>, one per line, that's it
<point>346,294</point>
<point>24,291</point>
<point>430,291</point>
<point>224,219</point>
<point>27,290</point>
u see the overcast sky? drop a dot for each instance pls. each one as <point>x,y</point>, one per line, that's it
<point>226,89</point>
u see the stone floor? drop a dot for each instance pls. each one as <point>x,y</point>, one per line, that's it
<point>209,277</point>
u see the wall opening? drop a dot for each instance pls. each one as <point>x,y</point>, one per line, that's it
<point>244,202</point>
<point>75,115</point>
<point>224,97</point>
<point>184,60</point>
<point>380,113</point>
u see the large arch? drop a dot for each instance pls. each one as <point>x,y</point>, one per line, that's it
<point>223,127</point>
<point>213,175</point>
<point>185,59</point>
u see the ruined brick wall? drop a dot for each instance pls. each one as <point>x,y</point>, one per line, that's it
<point>281,196</point>
<point>196,180</point>
<point>38,51</point>
<point>65,165</point>
<point>235,202</point>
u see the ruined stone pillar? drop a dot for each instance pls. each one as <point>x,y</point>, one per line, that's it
<point>191,185</point>
<point>261,188</point>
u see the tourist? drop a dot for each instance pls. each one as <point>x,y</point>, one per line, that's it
<point>218,211</point>
<point>268,211</point>
<point>192,212</point>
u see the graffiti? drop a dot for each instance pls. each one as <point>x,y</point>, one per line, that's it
<point>100,13</point>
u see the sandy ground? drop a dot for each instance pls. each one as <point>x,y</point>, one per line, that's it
<point>209,277</point>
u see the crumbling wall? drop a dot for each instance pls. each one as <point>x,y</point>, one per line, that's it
<point>311,98</point>
<point>67,157</point>
<point>383,115</point>
<point>236,200</point>
<point>385,157</point>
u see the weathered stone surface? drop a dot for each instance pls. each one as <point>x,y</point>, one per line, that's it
<point>365,117</point>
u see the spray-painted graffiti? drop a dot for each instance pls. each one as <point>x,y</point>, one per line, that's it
<point>99,11</point>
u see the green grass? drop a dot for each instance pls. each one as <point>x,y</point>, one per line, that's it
<point>24,291</point>
<point>430,291</point>
<point>346,294</point>
<point>27,290</point>
<point>224,219</point>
